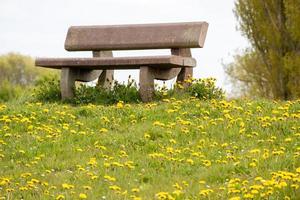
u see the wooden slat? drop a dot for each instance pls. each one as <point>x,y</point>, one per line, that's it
<point>117,62</point>
<point>138,36</point>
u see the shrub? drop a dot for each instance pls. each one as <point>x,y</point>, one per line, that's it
<point>47,89</point>
<point>9,91</point>
<point>127,93</point>
<point>162,92</point>
<point>85,94</point>
<point>204,89</point>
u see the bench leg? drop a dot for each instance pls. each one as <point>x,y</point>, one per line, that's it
<point>185,74</point>
<point>146,83</point>
<point>105,79</point>
<point>67,83</point>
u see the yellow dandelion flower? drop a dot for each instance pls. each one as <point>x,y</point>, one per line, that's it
<point>60,197</point>
<point>103,130</point>
<point>82,196</point>
<point>135,190</point>
<point>115,188</point>
<point>67,186</point>
<point>147,136</point>
<point>120,104</point>
<point>86,187</point>
<point>235,198</point>
<point>190,161</point>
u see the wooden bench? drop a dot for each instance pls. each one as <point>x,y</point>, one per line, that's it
<point>101,40</point>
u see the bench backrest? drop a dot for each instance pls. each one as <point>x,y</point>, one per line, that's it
<point>138,36</point>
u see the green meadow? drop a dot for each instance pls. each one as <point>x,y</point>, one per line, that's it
<point>170,149</point>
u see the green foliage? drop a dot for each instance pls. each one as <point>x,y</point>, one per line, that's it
<point>86,94</point>
<point>271,65</point>
<point>162,92</point>
<point>292,64</point>
<point>47,89</point>
<point>246,73</point>
<point>9,91</point>
<point>127,93</point>
<point>18,73</point>
<point>18,69</point>
<point>205,89</point>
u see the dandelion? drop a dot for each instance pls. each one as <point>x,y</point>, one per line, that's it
<point>253,164</point>
<point>86,187</point>
<point>164,196</point>
<point>135,190</point>
<point>190,161</point>
<point>67,186</point>
<point>92,162</point>
<point>147,136</point>
<point>82,196</point>
<point>60,197</point>
<point>235,198</point>
<point>177,192</point>
<point>115,188</point>
<point>288,139</point>
<point>109,178</point>
<point>103,130</point>
<point>205,192</point>
<point>206,163</point>
<point>120,104</point>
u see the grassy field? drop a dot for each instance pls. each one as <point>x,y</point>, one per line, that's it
<point>173,149</point>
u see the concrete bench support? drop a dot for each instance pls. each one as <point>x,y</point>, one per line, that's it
<point>70,75</point>
<point>185,72</point>
<point>146,83</point>
<point>148,75</point>
<point>67,83</point>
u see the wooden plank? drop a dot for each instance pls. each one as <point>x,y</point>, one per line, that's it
<point>136,36</point>
<point>117,62</point>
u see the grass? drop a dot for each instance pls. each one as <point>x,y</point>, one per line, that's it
<point>173,149</point>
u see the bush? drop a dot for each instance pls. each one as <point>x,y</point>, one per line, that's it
<point>127,93</point>
<point>47,89</point>
<point>163,92</point>
<point>9,91</point>
<point>203,89</point>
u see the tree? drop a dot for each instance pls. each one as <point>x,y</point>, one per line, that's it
<point>271,67</point>
<point>16,72</point>
<point>18,69</point>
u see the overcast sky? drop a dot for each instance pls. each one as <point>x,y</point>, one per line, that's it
<point>38,28</point>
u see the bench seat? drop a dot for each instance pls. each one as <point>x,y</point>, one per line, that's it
<point>118,62</point>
